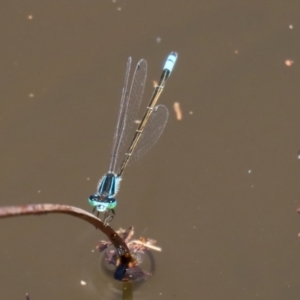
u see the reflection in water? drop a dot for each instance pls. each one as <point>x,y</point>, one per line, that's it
<point>100,279</point>
<point>136,270</point>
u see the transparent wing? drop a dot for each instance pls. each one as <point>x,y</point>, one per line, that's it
<point>132,103</point>
<point>152,132</point>
<point>120,122</point>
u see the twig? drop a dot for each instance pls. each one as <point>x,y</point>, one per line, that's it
<point>38,209</point>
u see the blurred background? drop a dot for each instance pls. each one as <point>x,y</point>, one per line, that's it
<point>218,192</point>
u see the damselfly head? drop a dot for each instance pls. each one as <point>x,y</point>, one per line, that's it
<point>94,200</point>
<point>102,207</point>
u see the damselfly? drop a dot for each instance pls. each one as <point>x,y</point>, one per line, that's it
<point>146,135</point>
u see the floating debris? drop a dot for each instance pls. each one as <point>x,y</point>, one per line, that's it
<point>289,62</point>
<point>137,247</point>
<point>177,110</point>
<point>82,282</point>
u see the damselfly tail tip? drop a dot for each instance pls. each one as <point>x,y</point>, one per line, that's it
<point>173,53</point>
<point>170,62</point>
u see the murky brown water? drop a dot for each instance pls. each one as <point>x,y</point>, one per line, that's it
<point>219,191</point>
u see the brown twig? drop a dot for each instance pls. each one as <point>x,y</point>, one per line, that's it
<point>38,209</point>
